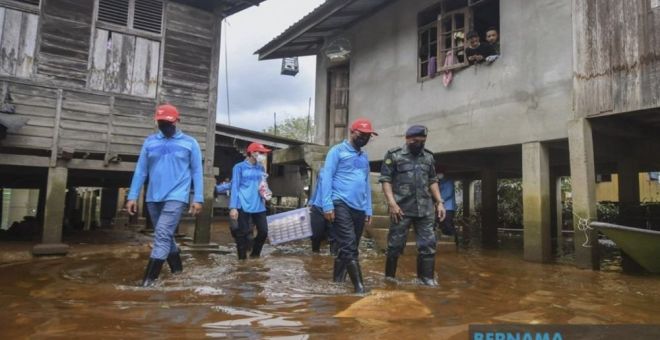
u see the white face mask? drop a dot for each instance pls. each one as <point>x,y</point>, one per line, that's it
<point>441,176</point>
<point>260,157</point>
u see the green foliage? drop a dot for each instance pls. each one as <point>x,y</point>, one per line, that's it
<point>509,203</point>
<point>294,128</point>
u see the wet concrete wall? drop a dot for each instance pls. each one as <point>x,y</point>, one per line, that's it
<point>524,96</point>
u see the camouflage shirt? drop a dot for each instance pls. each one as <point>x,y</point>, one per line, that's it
<point>411,177</point>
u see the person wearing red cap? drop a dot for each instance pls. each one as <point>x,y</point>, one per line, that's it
<point>247,201</point>
<point>346,193</point>
<point>172,161</point>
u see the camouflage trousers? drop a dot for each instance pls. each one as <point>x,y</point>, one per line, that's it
<point>424,234</point>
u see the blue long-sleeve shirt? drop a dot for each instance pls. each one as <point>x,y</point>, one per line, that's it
<point>171,164</point>
<point>345,177</point>
<point>316,199</point>
<point>245,182</point>
<point>447,193</point>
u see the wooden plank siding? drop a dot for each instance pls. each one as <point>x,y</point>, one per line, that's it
<point>616,56</point>
<point>65,40</point>
<point>124,64</point>
<point>18,36</point>
<point>89,88</point>
<point>187,61</point>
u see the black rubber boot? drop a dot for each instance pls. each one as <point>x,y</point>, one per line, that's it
<point>241,249</point>
<point>339,271</point>
<point>426,270</point>
<point>355,273</point>
<point>256,249</point>
<point>390,266</point>
<point>152,272</point>
<point>316,245</point>
<point>174,261</point>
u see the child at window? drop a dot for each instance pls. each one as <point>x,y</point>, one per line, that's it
<point>477,52</point>
<point>493,39</point>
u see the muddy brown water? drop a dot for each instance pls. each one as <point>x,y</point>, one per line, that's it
<point>287,294</point>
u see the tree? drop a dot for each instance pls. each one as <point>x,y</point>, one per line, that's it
<point>294,128</point>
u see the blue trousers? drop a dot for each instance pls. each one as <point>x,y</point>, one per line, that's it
<point>165,217</point>
<point>348,226</point>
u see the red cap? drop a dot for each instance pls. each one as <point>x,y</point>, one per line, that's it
<point>363,125</point>
<point>168,113</point>
<point>256,147</point>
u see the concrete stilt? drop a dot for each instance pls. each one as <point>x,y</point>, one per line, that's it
<point>536,202</point>
<point>583,183</point>
<point>465,184</point>
<point>558,211</point>
<point>489,208</point>
<point>628,172</point>
<point>204,220</point>
<point>51,240</point>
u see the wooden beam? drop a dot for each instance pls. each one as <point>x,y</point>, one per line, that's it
<point>24,160</point>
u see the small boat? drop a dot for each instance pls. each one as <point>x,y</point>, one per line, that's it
<point>642,245</point>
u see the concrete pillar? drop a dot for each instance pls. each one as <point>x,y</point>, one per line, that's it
<point>51,240</point>
<point>583,183</point>
<point>87,209</point>
<point>536,202</point>
<point>557,201</point>
<point>205,218</point>
<point>628,171</point>
<point>489,208</point>
<point>465,184</point>
<point>472,198</point>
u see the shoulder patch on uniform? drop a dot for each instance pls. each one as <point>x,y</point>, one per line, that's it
<point>388,161</point>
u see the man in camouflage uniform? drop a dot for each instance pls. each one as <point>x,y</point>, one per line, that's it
<point>410,185</point>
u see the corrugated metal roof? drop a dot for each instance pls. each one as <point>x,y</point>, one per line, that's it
<point>306,37</point>
<point>239,5</point>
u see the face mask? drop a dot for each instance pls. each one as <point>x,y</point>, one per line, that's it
<point>441,176</point>
<point>260,157</point>
<point>416,148</point>
<point>361,140</point>
<point>168,129</point>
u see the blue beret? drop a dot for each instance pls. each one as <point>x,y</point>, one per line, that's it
<point>417,131</point>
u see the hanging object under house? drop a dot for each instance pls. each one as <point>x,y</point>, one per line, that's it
<point>289,66</point>
<point>338,50</point>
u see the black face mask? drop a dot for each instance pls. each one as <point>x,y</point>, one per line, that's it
<point>168,129</point>
<point>416,148</point>
<point>361,140</point>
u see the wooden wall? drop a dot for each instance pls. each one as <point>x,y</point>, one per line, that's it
<point>616,48</point>
<point>17,42</point>
<point>94,89</point>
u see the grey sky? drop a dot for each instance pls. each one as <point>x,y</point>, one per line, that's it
<point>256,88</point>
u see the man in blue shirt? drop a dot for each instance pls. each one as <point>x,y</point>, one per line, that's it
<point>247,200</point>
<point>224,187</point>
<point>347,198</point>
<point>172,161</point>
<point>321,228</point>
<point>448,195</point>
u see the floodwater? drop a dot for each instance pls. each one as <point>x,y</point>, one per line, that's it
<point>287,294</point>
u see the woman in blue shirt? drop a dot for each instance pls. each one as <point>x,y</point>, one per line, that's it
<point>246,203</point>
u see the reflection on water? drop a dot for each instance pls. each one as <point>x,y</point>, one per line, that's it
<point>287,294</point>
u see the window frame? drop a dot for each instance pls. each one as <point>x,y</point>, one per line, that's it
<point>420,30</point>
<point>467,26</point>
<point>128,29</point>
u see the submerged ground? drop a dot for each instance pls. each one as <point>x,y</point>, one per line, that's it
<point>287,294</point>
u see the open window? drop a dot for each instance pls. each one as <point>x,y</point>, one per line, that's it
<point>443,30</point>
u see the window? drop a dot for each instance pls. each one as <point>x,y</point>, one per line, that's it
<point>453,30</point>
<point>141,15</point>
<point>443,30</point>
<point>428,41</point>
